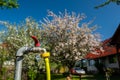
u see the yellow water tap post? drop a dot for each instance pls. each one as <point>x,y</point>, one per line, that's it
<point>47,64</point>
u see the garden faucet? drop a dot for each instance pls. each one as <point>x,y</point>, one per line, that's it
<point>24,50</point>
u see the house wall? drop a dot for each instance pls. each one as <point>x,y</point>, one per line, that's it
<point>111,65</point>
<point>8,63</point>
<point>105,61</point>
<point>90,66</point>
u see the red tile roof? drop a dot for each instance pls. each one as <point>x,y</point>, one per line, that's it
<point>3,44</point>
<point>108,50</point>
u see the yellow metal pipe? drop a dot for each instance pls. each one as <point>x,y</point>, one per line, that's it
<point>47,65</point>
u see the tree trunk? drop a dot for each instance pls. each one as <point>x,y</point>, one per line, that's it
<point>1,64</point>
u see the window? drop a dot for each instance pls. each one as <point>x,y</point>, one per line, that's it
<point>112,59</point>
<point>91,62</point>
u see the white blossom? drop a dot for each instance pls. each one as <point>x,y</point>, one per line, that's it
<point>69,37</point>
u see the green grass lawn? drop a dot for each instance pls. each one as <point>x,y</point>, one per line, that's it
<point>75,77</point>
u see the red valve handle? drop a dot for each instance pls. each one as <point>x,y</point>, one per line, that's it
<point>37,43</point>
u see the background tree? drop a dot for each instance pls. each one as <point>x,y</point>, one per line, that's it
<point>3,55</point>
<point>67,38</point>
<point>17,36</point>
<point>9,4</point>
<point>108,2</point>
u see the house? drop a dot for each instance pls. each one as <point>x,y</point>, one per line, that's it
<point>110,58</point>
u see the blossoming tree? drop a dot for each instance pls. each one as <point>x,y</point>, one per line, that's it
<point>68,38</point>
<point>17,36</point>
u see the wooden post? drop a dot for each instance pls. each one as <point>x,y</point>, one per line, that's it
<point>118,56</point>
<point>80,76</point>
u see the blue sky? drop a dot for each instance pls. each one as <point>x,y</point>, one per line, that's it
<point>107,18</point>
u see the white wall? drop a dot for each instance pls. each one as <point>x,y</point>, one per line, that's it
<point>91,67</point>
<point>111,65</point>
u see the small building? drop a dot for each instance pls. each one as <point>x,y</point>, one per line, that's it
<point>110,58</point>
